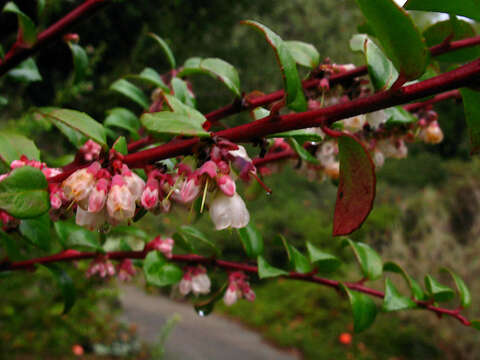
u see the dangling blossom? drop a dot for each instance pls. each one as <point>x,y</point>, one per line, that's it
<point>120,202</point>
<point>102,267</point>
<point>228,211</point>
<point>195,280</point>
<point>134,183</point>
<point>376,118</point>
<point>332,170</point>
<point>378,158</point>
<point>432,134</point>
<point>165,246</point>
<point>77,186</point>
<point>354,124</point>
<point>393,148</point>
<point>226,184</point>
<point>98,195</point>
<point>90,220</point>
<point>187,191</point>
<point>238,287</point>
<point>149,198</point>
<point>125,270</point>
<point>57,197</point>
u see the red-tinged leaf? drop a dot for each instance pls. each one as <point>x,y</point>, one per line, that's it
<point>356,190</point>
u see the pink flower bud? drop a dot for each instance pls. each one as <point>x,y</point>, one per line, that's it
<point>185,285</point>
<point>134,182</point>
<point>231,295</point>
<point>149,198</point>
<point>226,184</point>
<point>102,267</point>
<point>120,202</point>
<point>17,164</point>
<point>90,151</point>
<point>165,246</point>
<point>209,168</point>
<point>126,270</point>
<point>98,196</point>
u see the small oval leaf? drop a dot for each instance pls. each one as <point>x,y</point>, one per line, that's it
<point>252,240</point>
<point>462,289</point>
<point>324,262</point>
<point>80,62</point>
<point>369,260</point>
<point>158,272</point>
<point>394,301</point>
<point>303,53</point>
<point>265,270</point>
<point>131,91</point>
<point>363,308</point>
<point>438,291</point>
<point>166,49</point>
<point>13,146</point>
<point>415,287</point>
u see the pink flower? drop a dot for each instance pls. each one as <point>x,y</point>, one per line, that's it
<point>126,270</point>
<point>201,283</point>
<point>228,211</point>
<point>120,202</point>
<point>195,280</point>
<point>90,151</point>
<point>187,191</point>
<point>165,246</point>
<point>102,267</point>
<point>209,168</point>
<point>238,287</point>
<point>98,196</point>
<point>78,185</point>
<point>90,220</point>
<point>231,295</point>
<point>185,285</point>
<point>226,184</point>
<point>57,197</point>
<point>149,198</point>
<point>134,182</point>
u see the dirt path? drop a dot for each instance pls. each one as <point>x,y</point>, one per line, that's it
<point>194,337</point>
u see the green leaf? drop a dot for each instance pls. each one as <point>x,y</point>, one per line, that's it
<point>124,119</point>
<point>80,62</point>
<point>471,103</point>
<point>397,115</point>
<point>151,77</point>
<point>363,308</point>
<point>415,287</point>
<point>66,285</point>
<point>26,25</point>
<point>71,120</point>
<point>23,194</point>
<point>166,49</point>
<point>293,86</point>
<point>475,324</point>
<point>252,240</point>
<point>11,246</point>
<point>131,91</point>
<point>356,189</point>
<point>369,260</point>
<point>381,70</point>
<point>462,289</point>
<point>395,301</point>
<point>26,72</point>
<point>468,8</point>
<point>216,68</point>
<point>173,124</point>
<point>13,146</point>
<point>37,230</point>
<point>181,92</point>
<point>120,145</point>
<point>259,113</point>
<point>73,236</point>
<point>324,262</point>
<point>398,35</point>
<point>160,273</point>
<point>130,231</point>
<point>438,32</point>
<point>302,152</point>
<point>297,260</point>
<point>197,241</point>
<point>265,270</point>
<point>40,6</point>
<point>438,291</point>
<point>303,53</point>
<point>301,136</point>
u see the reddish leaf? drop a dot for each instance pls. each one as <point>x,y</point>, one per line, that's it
<point>356,190</point>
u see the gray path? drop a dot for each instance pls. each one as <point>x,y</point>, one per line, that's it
<point>194,337</point>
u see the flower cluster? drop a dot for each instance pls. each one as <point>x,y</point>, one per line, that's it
<point>102,267</point>
<point>24,161</point>
<point>238,287</point>
<point>195,280</point>
<point>165,246</point>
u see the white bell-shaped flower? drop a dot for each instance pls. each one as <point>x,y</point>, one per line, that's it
<point>229,211</point>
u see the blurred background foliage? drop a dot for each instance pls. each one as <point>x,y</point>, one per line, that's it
<point>425,213</point>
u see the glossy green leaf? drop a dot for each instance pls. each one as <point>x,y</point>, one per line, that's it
<point>23,194</point>
<point>37,230</point>
<point>120,145</point>
<point>259,113</point>
<point>173,124</point>
<point>356,189</point>
<point>324,262</point>
<point>131,91</point>
<point>13,146</point>
<point>438,32</point>
<point>369,260</point>
<point>295,99</point>
<point>77,121</point>
<point>66,285</point>
<point>265,270</point>
<point>124,119</point>
<point>217,68</point>
<point>438,291</point>
<point>26,25</point>
<point>73,236</point>
<point>397,115</point>
<point>297,260</point>
<point>381,70</point>
<point>303,53</point>
<point>363,308</point>
<point>471,103</point>
<point>468,8</point>
<point>166,49</point>
<point>300,136</point>
<point>182,92</point>
<point>302,152</point>
<point>252,240</point>
<point>26,72</point>
<point>462,289</point>
<point>394,301</point>
<point>414,286</point>
<point>159,272</point>
<point>398,35</point>
<point>80,62</point>
<point>197,241</point>
<point>151,77</point>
